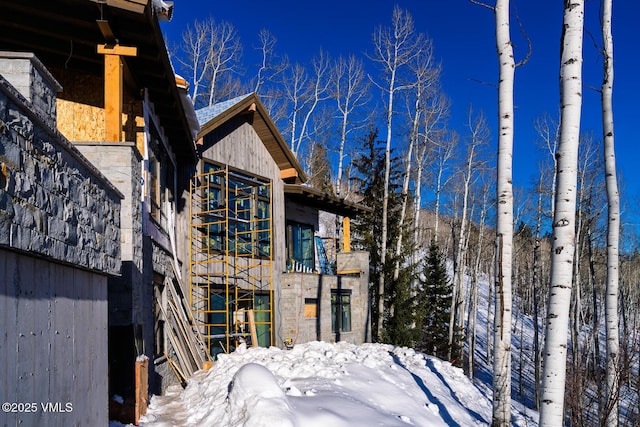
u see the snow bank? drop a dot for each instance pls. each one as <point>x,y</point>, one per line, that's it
<point>320,384</point>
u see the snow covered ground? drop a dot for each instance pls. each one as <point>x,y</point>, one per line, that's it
<point>320,385</point>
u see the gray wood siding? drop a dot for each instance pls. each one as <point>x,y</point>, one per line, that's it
<point>53,341</point>
<point>241,148</point>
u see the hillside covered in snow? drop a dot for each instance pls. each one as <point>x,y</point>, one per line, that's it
<point>320,384</point>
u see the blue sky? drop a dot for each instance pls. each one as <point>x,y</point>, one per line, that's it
<point>464,41</point>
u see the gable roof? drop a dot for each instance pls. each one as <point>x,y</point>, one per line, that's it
<point>214,116</point>
<point>65,33</point>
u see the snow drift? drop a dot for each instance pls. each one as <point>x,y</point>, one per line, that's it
<point>319,384</point>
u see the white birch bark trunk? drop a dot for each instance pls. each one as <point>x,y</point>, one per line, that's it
<point>343,141</point>
<point>613,224</point>
<point>437,205</point>
<point>457,298</point>
<point>320,85</point>
<point>444,152</point>
<point>350,93</point>
<point>563,246</point>
<point>536,287</point>
<point>504,221</point>
<point>405,182</point>
<point>418,202</point>
<point>385,206</point>
<point>473,300</point>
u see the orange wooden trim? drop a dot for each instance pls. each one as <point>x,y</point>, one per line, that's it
<point>112,98</point>
<point>117,49</point>
<point>353,271</point>
<point>288,173</point>
<point>346,233</point>
<point>113,88</point>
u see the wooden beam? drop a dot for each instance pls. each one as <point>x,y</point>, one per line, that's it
<point>132,6</point>
<point>117,49</point>
<point>113,88</point>
<point>346,232</point>
<point>288,173</point>
<point>349,272</point>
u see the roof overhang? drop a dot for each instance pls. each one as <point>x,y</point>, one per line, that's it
<point>64,34</point>
<point>290,170</point>
<point>311,197</point>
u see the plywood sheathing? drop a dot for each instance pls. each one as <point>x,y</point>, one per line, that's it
<point>80,109</point>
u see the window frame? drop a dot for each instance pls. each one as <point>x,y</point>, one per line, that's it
<point>293,247</point>
<point>251,220</point>
<point>341,305</point>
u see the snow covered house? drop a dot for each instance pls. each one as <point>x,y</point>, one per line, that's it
<point>258,265</point>
<point>119,288</point>
<point>129,119</point>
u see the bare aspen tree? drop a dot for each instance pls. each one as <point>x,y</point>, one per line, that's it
<point>443,152</point>
<point>479,135</point>
<point>433,123</point>
<point>548,130</point>
<point>555,353</point>
<point>296,91</point>
<point>223,54</point>
<point>473,299</point>
<point>613,221</point>
<point>504,221</point>
<point>350,89</point>
<point>426,75</point>
<point>394,48</point>
<point>585,176</point>
<point>318,92</point>
<point>269,67</point>
<point>195,49</point>
<point>536,289</point>
<point>267,43</point>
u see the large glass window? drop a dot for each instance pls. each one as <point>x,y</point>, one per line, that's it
<point>340,310</point>
<point>154,185</point>
<point>300,247</point>
<point>160,176</point>
<point>239,212</point>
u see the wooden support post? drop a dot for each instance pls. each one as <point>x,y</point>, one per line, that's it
<point>346,231</point>
<point>113,88</point>
<point>252,328</point>
<point>142,388</point>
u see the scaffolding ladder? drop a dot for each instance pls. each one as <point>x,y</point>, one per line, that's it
<point>231,261</point>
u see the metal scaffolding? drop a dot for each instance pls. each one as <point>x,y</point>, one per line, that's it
<point>231,268</point>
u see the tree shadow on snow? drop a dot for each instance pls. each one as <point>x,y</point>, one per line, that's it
<point>446,416</point>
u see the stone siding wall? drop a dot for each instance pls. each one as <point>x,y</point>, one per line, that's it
<point>34,82</point>
<point>59,242</point>
<point>297,287</point>
<point>52,201</point>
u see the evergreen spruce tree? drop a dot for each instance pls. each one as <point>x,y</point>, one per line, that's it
<point>400,304</point>
<point>435,298</point>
